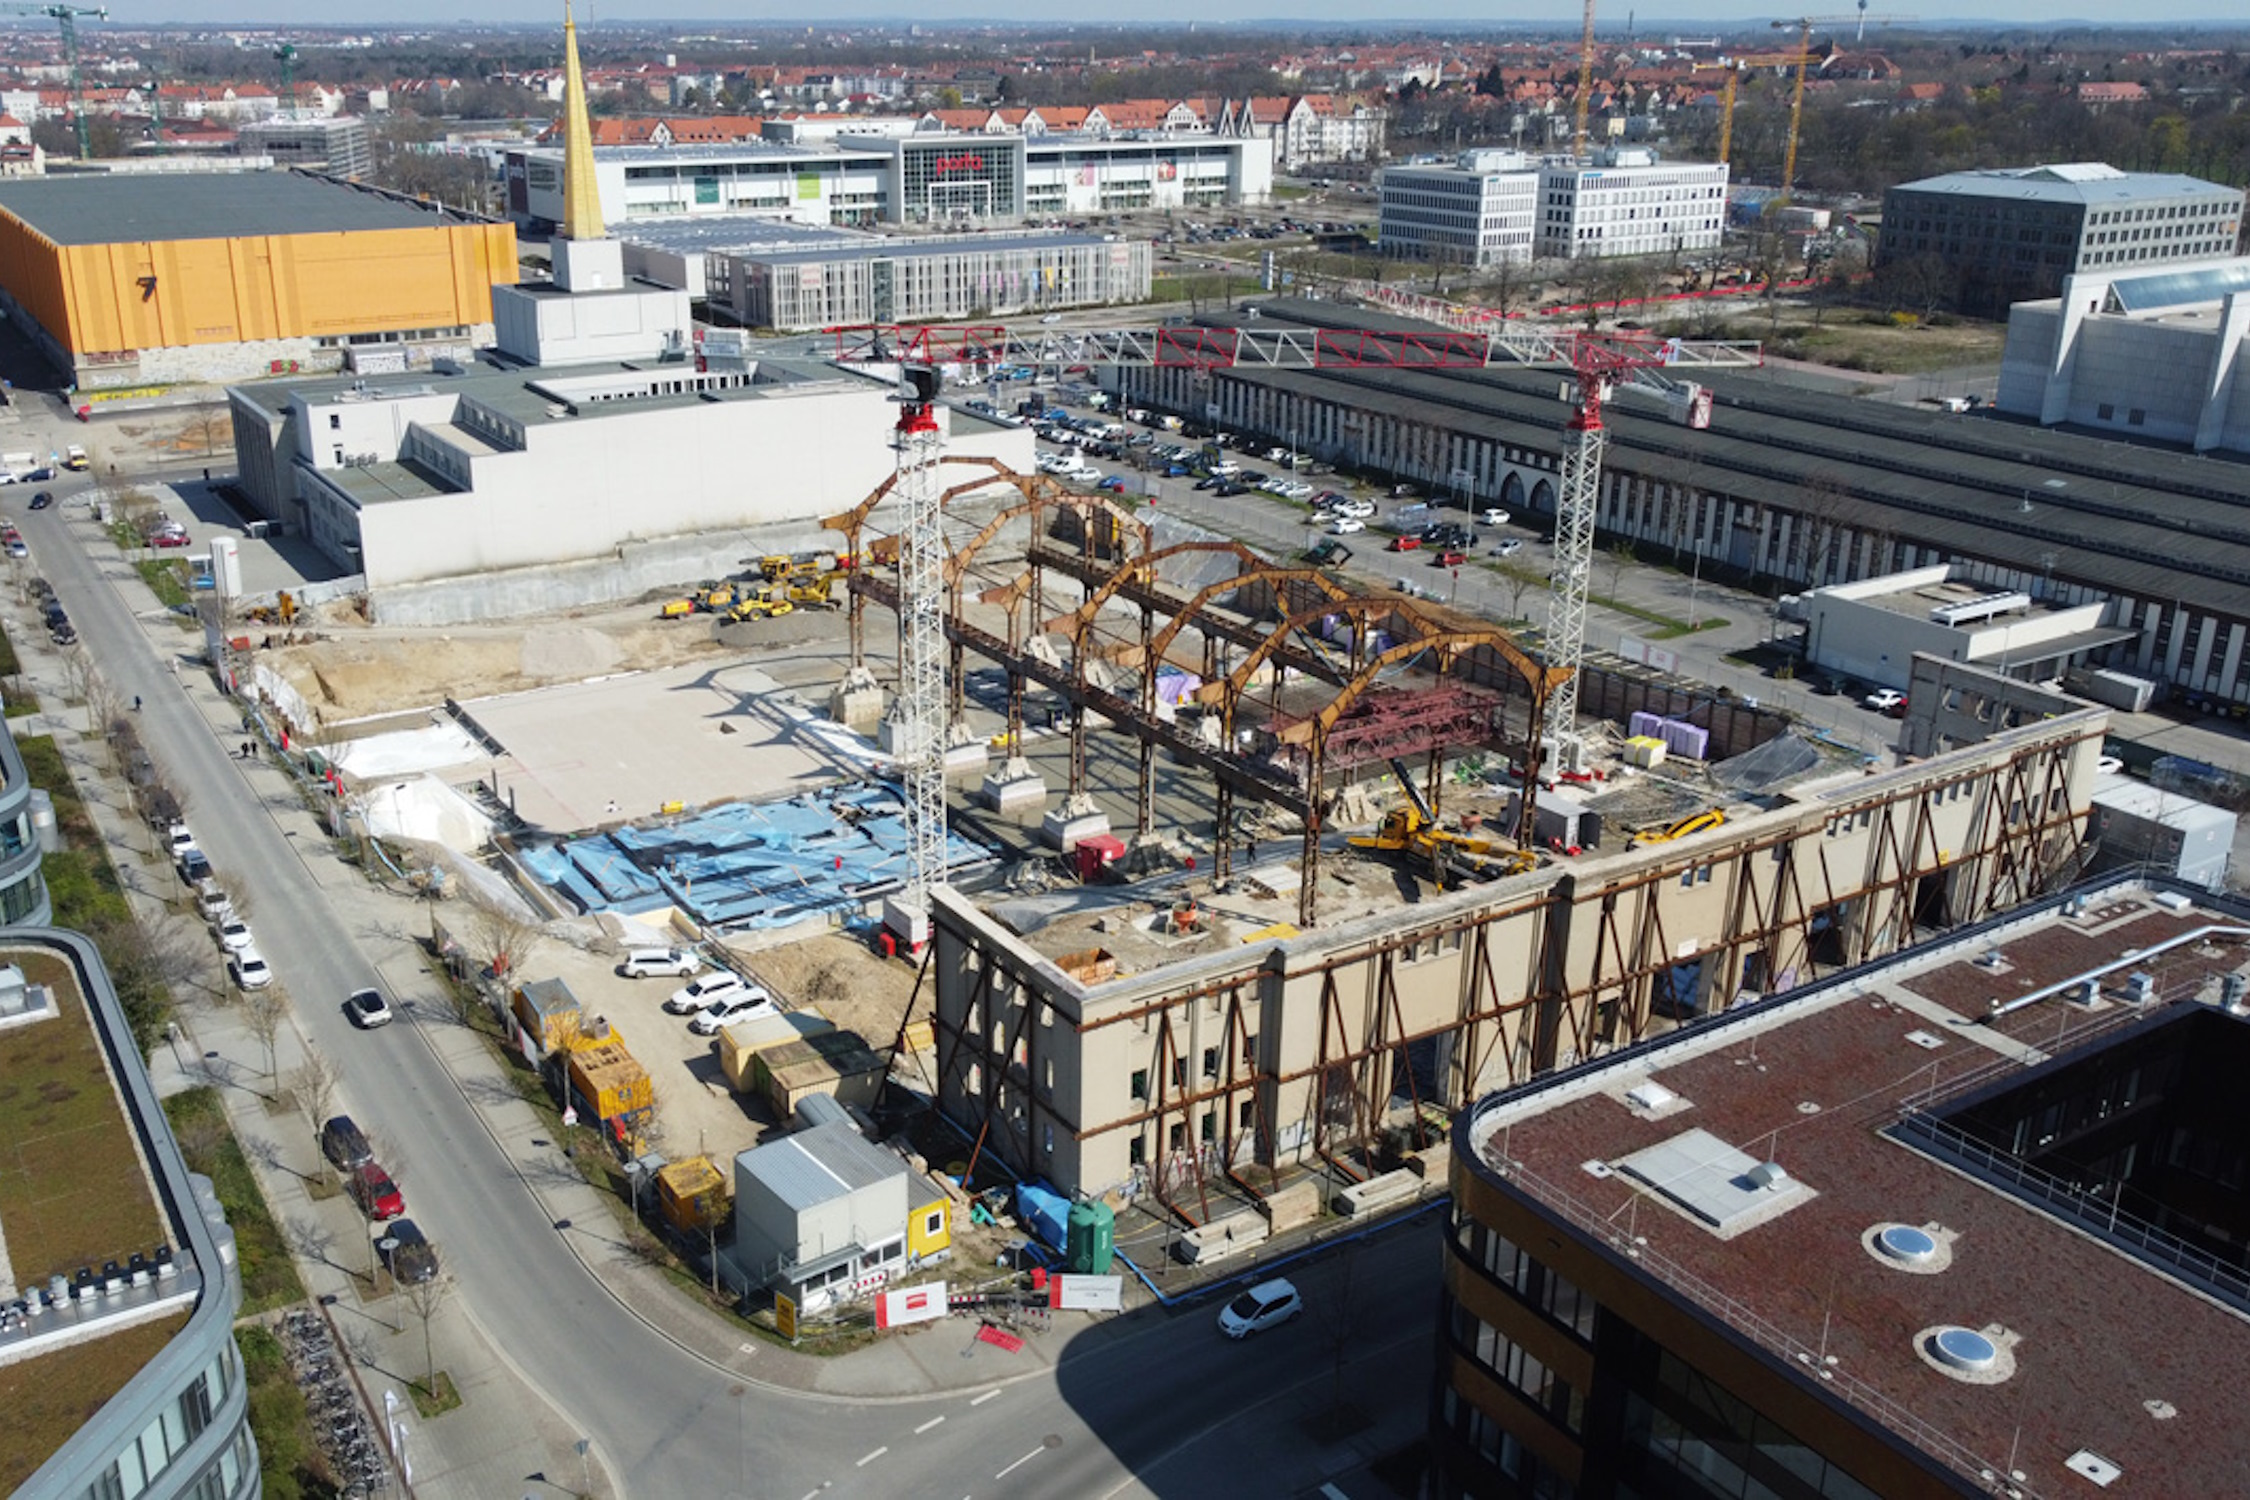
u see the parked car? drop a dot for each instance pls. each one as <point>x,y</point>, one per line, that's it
<point>180,838</point>
<point>1115,484</point>
<point>667,963</point>
<point>1508,546</point>
<point>194,867</point>
<point>1406,544</point>
<point>1360,510</point>
<point>1266,1305</point>
<point>17,548</point>
<point>1495,518</point>
<point>246,967</point>
<point>1346,525</point>
<point>42,500</point>
<point>368,1009</point>
<point>749,1005</point>
<point>170,537</point>
<point>377,1196</point>
<point>212,902</point>
<point>1885,700</point>
<point>232,932</point>
<point>1452,557</point>
<point>344,1144</point>
<point>691,998</point>
<point>411,1258</point>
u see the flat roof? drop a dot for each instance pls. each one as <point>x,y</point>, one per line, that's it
<point>705,233</point>
<point>885,248</point>
<point>102,209</point>
<point>2144,521</point>
<point>2090,183</point>
<point>1812,1082</point>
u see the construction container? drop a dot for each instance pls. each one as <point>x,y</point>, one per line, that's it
<point>1097,855</point>
<point>929,1219</point>
<point>1645,751</point>
<point>1091,1239</point>
<point>549,1012</point>
<point>606,1081</point>
<point>839,1064</point>
<point>2119,690</point>
<point>692,1195</point>
<point>740,1043</point>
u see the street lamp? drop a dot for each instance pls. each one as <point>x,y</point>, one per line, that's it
<point>1695,584</point>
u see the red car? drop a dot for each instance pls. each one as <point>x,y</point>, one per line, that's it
<point>1406,544</point>
<point>375,1193</point>
<point>169,539</point>
<point>1450,559</point>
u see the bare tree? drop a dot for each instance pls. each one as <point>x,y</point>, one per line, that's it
<point>423,1299</point>
<point>506,934</point>
<point>1616,557</point>
<point>1519,583</point>
<point>315,1081</point>
<point>262,1012</point>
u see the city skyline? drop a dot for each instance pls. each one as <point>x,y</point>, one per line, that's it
<point>1647,17</point>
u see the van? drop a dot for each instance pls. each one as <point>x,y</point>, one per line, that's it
<point>660,963</point>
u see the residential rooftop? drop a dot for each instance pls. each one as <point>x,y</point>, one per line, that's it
<point>1854,1088</point>
<point>102,209</point>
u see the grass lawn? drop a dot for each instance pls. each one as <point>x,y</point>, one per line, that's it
<point>437,1402</point>
<point>165,579</point>
<point>1857,339</point>
<point>72,1192</point>
<point>269,1278</point>
<point>49,1398</point>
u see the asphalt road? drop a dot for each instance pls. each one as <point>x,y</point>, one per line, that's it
<point>1160,1395</point>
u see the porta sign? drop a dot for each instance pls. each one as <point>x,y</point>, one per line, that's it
<point>1086,1293</point>
<point>913,1304</point>
<point>970,162</point>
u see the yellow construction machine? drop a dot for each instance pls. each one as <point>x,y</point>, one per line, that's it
<point>1406,830</point>
<point>1701,822</point>
<point>812,593</point>
<point>759,602</point>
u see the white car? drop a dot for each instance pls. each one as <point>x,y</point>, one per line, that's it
<point>248,969</point>
<point>1266,1305</point>
<point>179,839</point>
<point>1358,510</point>
<point>1884,700</point>
<point>1346,525</point>
<point>1508,546</point>
<point>1294,489</point>
<point>748,1006</point>
<point>1495,518</point>
<point>232,932</point>
<point>213,903</point>
<point>721,985</point>
<point>666,963</point>
<point>1273,486</point>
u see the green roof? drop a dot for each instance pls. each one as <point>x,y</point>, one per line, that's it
<point>101,209</point>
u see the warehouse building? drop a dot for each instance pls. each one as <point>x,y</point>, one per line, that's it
<point>924,177</point>
<point>1955,1222</point>
<point>121,1278</point>
<point>1794,487</point>
<point>2147,354</point>
<point>899,280</point>
<point>131,280</point>
<point>2012,234</point>
<point>1872,630</point>
<point>1479,210</point>
<point>1204,1072</point>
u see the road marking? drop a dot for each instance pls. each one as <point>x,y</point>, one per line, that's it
<point>987,1396</point>
<point>926,1426</point>
<point>1019,1463</point>
<point>878,1453</point>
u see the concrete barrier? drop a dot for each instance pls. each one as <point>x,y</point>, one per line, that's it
<point>1222,1238</point>
<point>1377,1192</point>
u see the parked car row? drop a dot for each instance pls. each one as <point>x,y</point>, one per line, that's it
<point>711,1001</point>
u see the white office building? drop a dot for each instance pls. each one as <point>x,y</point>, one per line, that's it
<point>913,278</point>
<point>1478,210</point>
<point>922,178</point>
<point>1627,202</point>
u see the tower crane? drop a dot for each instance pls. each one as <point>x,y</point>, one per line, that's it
<point>67,16</point>
<point>1600,362</point>
<point>1734,68</point>
<point>1585,84</point>
<point>286,55</point>
<point>1804,25</point>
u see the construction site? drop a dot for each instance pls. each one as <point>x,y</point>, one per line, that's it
<point>1211,875</point>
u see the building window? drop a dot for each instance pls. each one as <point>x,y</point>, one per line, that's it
<point>1140,1083</point>
<point>933,1223</point>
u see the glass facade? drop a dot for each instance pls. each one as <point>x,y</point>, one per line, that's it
<point>960,179</point>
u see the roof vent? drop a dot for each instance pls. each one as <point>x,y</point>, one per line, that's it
<point>1650,1096</point>
<point>2087,1464</point>
<point>1768,1176</point>
<point>1974,1356</point>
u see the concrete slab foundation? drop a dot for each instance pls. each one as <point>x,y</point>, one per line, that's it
<point>1014,786</point>
<point>858,701</point>
<point>1079,818</point>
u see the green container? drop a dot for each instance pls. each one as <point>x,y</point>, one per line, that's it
<point>1090,1239</point>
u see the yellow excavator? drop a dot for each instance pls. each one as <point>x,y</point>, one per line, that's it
<point>1410,830</point>
<point>758,602</point>
<point>1701,822</point>
<point>812,593</point>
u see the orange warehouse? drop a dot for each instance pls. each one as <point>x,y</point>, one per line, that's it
<point>127,281</point>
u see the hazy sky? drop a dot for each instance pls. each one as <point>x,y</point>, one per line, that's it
<point>1650,17</point>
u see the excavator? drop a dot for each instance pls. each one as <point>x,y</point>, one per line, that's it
<point>758,602</point>
<point>1411,830</point>
<point>812,593</point>
<point>1700,822</point>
